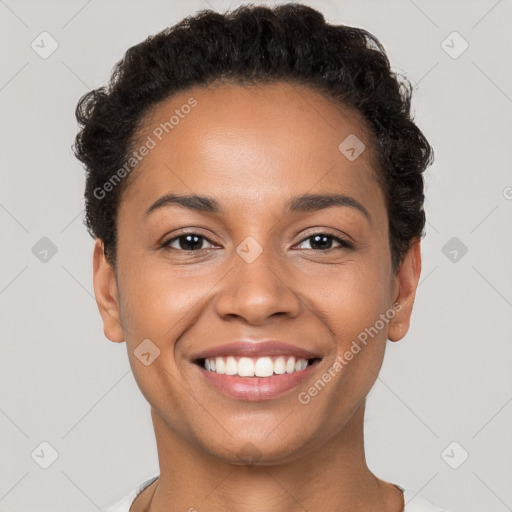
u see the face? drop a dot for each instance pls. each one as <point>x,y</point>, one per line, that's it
<point>254,263</point>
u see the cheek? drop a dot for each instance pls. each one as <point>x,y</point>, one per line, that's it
<point>353,305</point>
<point>155,305</point>
<point>352,309</point>
<point>161,302</point>
<point>354,297</point>
<point>155,310</point>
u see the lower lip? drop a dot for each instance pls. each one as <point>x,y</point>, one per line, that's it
<point>254,389</point>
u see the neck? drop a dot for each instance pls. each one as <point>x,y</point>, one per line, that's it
<point>335,475</point>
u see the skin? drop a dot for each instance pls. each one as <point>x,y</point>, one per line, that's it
<point>252,149</point>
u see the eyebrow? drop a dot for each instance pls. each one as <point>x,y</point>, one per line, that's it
<point>303,203</point>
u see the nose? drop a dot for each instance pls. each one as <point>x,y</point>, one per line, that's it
<point>256,290</point>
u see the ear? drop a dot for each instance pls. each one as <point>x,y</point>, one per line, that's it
<point>106,292</point>
<point>405,284</point>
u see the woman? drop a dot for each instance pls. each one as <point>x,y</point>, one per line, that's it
<point>254,186</point>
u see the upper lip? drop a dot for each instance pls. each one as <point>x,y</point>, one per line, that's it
<point>255,349</point>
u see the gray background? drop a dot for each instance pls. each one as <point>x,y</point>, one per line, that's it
<point>63,383</point>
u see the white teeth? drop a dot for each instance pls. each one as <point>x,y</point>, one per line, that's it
<point>231,366</point>
<point>255,367</point>
<point>220,366</point>
<point>279,365</point>
<point>290,365</point>
<point>245,367</point>
<point>264,367</point>
<point>299,365</point>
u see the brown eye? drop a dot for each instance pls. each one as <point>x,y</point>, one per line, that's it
<point>323,242</point>
<point>187,242</point>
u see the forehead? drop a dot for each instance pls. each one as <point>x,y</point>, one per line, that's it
<point>246,143</point>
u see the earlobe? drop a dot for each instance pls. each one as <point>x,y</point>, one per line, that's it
<point>405,285</point>
<point>106,293</point>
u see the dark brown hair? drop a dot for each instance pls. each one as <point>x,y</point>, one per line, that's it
<point>256,44</point>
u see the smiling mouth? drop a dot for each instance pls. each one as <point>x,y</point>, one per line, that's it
<point>255,367</point>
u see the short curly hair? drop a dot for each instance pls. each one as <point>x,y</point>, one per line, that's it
<point>256,44</point>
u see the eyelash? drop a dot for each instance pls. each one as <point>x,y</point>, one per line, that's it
<point>344,243</point>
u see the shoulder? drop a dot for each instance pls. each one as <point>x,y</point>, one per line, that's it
<point>124,504</point>
<point>413,501</point>
<point>416,503</point>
